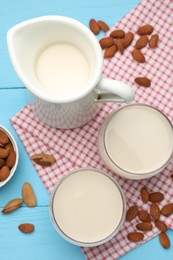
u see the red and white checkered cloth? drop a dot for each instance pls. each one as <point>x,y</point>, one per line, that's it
<point>77,148</point>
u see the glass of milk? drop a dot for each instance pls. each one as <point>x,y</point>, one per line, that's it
<point>136,141</point>
<point>87,207</point>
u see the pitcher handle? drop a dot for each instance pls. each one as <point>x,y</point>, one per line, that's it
<point>114,91</point>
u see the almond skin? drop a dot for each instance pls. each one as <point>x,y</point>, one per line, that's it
<point>144,216</point>
<point>141,42</point>
<point>12,205</point>
<point>2,163</point>
<point>94,27</point>
<point>143,81</point>
<point>4,173</point>
<point>156,197</point>
<point>167,210</point>
<point>145,29</point>
<point>117,34</point>
<point>103,26</point>
<point>161,225</point>
<point>135,236</point>
<point>110,52</point>
<point>43,159</point>
<point>138,56</point>
<point>106,42</point>
<point>144,194</point>
<point>28,195</point>
<point>4,153</point>
<point>155,211</point>
<point>144,226</point>
<point>164,240</point>
<point>11,159</point>
<point>128,39</point>
<point>26,228</point>
<point>9,146</point>
<point>3,137</point>
<point>153,42</point>
<point>131,213</point>
<point>120,45</point>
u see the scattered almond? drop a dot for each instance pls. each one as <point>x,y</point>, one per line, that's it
<point>109,52</point>
<point>117,34</point>
<point>141,42</point>
<point>131,213</point>
<point>145,29</point>
<point>12,205</point>
<point>128,39</point>
<point>156,197</point>
<point>144,194</point>
<point>94,27</point>
<point>153,42</point>
<point>143,81</point>
<point>120,45</point>
<point>138,56</point>
<point>144,226</point>
<point>144,216</point>
<point>155,211</point>
<point>135,236</point>
<point>3,137</point>
<point>26,228</point>
<point>164,240</point>
<point>28,195</point>
<point>4,153</point>
<point>103,26</point>
<point>4,173</point>
<point>43,159</point>
<point>11,159</point>
<point>106,42</point>
<point>167,210</point>
<point>161,225</point>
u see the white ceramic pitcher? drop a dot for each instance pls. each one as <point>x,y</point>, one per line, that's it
<point>27,39</point>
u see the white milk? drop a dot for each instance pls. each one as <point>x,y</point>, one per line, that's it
<point>88,206</point>
<point>139,139</point>
<point>62,69</point>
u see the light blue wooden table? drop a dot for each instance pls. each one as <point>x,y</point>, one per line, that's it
<point>45,243</point>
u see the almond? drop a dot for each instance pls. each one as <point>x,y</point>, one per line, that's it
<point>144,216</point>
<point>141,42</point>
<point>26,227</point>
<point>109,52</point>
<point>4,153</point>
<point>143,81</point>
<point>4,173</point>
<point>3,137</point>
<point>117,34</point>
<point>161,225</point>
<point>43,159</point>
<point>9,146</point>
<point>106,42</point>
<point>155,211</point>
<point>144,194</point>
<point>11,159</point>
<point>94,27</point>
<point>135,236</point>
<point>156,197</point>
<point>131,213</point>
<point>103,26</point>
<point>12,205</point>
<point>164,240</point>
<point>145,29</point>
<point>2,163</point>
<point>28,195</point>
<point>128,39</point>
<point>138,56</point>
<point>144,226</point>
<point>167,210</point>
<point>153,42</point>
<point>120,45</point>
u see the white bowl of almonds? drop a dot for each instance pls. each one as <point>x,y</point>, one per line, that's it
<point>8,155</point>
